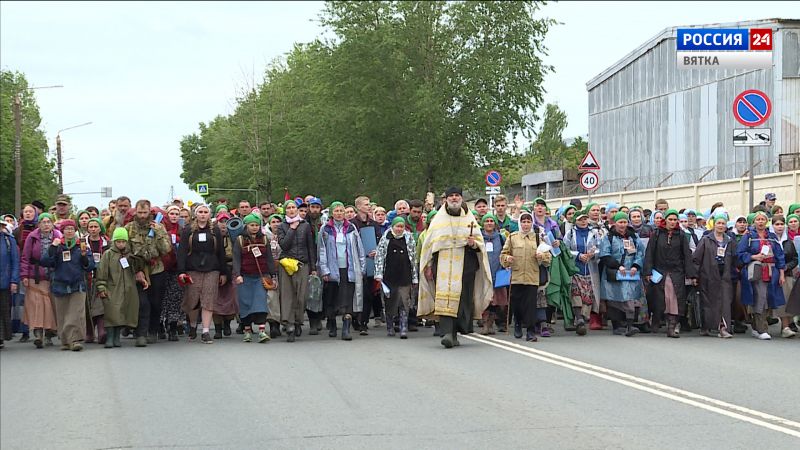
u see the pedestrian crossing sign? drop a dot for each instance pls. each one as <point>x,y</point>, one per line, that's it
<point>202,188</point>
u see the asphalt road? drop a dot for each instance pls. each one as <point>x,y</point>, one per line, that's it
<point>379,392</point>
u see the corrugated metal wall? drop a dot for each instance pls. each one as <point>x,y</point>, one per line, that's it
<point>651,119</point>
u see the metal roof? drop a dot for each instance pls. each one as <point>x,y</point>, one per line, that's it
<point>671,33</point>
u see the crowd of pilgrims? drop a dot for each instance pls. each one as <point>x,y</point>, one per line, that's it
<point>160,273</point>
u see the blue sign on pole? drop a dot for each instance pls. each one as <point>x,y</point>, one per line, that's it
<point>493,178</point>
<point>752,107</point>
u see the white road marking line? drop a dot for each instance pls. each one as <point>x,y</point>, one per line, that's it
<point>658,389</point>
<point>654,384</point>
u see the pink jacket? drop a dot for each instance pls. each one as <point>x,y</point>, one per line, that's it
<point>32,253</point>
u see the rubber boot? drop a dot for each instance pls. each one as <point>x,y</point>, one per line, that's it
<point>594,322</point>
<point>102,335</point>
<point>403,325</point>
<point>655,325</point>
<point>390,326</point>
<point>172,334</point>
<point>346,322</point>
<point>517,329</point>
<point>218,330</point>
<point>226,328</point>
<point>332,327</point>
<point>672,321</point>
<point>37,338</point>
<point>110,337</point>
<point>89,338</point>
<point>274,330</point>
<point>313,327</point>
<point>630,329</point>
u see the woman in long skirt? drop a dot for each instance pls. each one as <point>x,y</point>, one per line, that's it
<point>790,255</point>
<point>493,240</point>
<point>252,261</point>
<point>171,313</point>
<point>583,243</point>
<point>668,258</point>
<point>96,241</point>
<point>39,314</point>
<point>763,274</point>
<point>225,307</point>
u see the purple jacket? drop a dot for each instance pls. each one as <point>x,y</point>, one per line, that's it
<point>32,253</point>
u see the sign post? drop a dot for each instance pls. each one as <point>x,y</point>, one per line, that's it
<point>493,179</point>
<point>752,108</point>
<point>589,180</point>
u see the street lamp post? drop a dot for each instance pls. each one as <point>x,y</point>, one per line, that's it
<point>58,155</point>
<point>18,148</point>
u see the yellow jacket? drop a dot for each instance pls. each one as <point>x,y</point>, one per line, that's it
<point>525,267</point>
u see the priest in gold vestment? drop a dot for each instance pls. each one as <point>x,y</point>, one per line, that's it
<point>457,286</point>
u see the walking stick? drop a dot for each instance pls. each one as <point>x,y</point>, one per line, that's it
<point>508,313</point>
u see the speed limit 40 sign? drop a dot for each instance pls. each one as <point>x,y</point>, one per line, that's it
<point>589,181</point>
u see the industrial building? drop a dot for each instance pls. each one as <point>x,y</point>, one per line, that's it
<point>653,124</point>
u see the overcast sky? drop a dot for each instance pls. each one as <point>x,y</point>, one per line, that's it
<point>147,73</point>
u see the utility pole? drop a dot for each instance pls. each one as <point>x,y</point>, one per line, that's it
<point>17,106</point>
<point>17,159</point>
<point>59,165</point>
<point>59,162</point>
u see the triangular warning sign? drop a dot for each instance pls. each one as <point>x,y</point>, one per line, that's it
<point>589,162</point>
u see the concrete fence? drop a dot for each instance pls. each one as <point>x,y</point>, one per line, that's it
<point>734,193</point>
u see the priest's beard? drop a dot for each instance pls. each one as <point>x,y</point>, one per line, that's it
<point>119,218</point>
<point>454,208</point>
<point>313,215</point>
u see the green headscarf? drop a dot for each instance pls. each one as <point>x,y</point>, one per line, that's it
<point>619,216</point>
<point>757,213</point>
<point>274,216</point>
<point>589,207</point>
<point>430,216</point>
<point>566,210</point>
<point>794,207</point>
<point>220,208</point>
<point>671,212</point>
<point>287,202</point>
<point>721,217</point>
<point>99,222</point>
<point>334,205</point>
<point>750,218</point>
<point>792,216</point>
<point>46,216</point>
<point>490,216</point>
<point>252,218</point>
<point>398,219</point>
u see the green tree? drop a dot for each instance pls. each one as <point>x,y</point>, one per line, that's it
<point>406,96</point>
<point>38,177</point>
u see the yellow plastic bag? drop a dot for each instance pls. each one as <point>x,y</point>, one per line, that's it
<point>290,265</point>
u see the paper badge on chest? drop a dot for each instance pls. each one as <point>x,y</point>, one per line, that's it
<point>124,263</point>
<point>66,256</point>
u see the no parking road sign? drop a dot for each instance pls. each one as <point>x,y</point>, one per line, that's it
<point>751,108</point>
<point>493,178</point>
